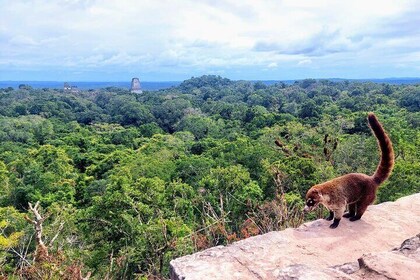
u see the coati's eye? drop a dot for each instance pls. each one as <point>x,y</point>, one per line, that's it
<point>310,202</point>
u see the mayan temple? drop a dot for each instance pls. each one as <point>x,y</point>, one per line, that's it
<point>135,86</point>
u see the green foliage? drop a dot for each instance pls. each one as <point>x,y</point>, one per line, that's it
<point>298,174</point>
<point>200,126</point>
<point>133,219</point>
<point>404,181</point>
<point>5,186</point>
<point>231,190</point>
<point>12,225</point>
<point>410,98</point>
<point>45,174</point>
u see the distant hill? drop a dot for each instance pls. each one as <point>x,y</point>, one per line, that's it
<point>89,85</point>
<point>167,84</point>
<point>393,81</point>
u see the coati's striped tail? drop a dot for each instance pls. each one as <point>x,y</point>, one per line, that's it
<point>387,152</point>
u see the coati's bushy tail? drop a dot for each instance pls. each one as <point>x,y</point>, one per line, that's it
<point>387,152</point>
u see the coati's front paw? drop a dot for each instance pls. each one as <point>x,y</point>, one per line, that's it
<point>335,223</point>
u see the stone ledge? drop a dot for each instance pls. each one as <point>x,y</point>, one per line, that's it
<point>314,248</point>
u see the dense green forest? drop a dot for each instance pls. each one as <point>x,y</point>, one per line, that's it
<point>126,182</point>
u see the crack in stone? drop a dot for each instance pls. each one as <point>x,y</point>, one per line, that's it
<point>247,268</point>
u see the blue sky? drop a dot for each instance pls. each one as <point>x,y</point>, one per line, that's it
<point>115,40</point>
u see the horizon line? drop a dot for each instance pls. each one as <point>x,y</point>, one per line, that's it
<point>251,80</point>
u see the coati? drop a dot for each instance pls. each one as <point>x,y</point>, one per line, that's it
<point>356,190</point>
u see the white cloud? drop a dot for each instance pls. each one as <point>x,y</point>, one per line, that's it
<point>305,62</point>
<point>208,35</point>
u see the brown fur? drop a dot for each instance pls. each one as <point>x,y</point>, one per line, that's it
<point>356,190</point>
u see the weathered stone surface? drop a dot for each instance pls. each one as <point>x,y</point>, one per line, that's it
<point>348,268</point>
<point>312,250</point>
<point>390,265</point>
<point>304,272</point>
<point>401,263</point>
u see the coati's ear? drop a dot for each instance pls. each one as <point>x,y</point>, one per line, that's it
<point>317,192</point>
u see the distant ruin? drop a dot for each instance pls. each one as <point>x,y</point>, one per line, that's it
<point>69,88</point>
<point>135,86</point>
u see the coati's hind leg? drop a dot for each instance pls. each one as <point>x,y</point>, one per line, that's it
<point>361,206</point>
<point>352,211</point>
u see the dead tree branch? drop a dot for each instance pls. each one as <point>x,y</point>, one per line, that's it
<point>41,253</point>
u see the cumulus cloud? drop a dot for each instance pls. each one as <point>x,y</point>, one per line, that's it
<point>219,36</point>
<point>305,62</point>
<point>272,65</point>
